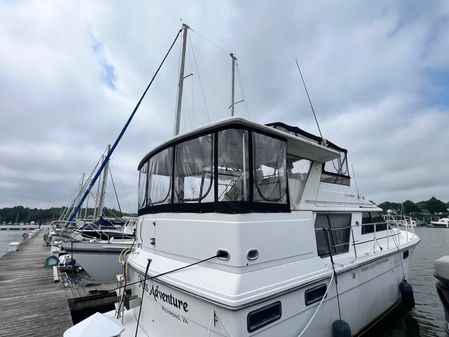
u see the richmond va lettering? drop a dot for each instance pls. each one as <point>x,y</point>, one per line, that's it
<point>166,297</point>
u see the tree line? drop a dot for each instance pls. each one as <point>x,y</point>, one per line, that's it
<point>24,214</point>
<point>432,206</point>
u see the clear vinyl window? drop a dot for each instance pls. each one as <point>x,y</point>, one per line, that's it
<point>233,165</point>
<point>270,178</point>
<point>226,170</point>
<point>159,178</point>
<point>298,171</point>
<point>142,186</point>
<point>194,170</point>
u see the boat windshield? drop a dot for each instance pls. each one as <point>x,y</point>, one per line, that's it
<point>230,170</point>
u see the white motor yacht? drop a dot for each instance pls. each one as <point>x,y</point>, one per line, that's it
<point>443,222</point>
<point>253,230</point>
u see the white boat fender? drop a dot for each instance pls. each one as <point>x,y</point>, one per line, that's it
<point>341,328</point>
<point>407,294</point>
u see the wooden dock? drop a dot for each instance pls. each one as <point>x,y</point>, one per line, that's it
<point>18,227</point>
<point>84,300</point>
<point>30,303</point>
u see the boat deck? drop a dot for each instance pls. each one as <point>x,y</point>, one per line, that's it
<point>31,304</point>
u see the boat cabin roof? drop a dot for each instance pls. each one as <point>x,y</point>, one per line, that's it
<point>297,145</point>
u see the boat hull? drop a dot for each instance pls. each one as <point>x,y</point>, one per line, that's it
<point>439,224</point>
<point>365,293</point>
<point>441,266</point>
<point>99,260</point>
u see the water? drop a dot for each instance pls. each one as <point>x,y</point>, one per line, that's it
<point>6,237</point>
<point>427,318</point>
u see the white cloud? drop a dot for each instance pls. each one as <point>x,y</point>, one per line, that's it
<point>376,72</point>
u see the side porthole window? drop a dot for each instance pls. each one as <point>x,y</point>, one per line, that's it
<point>405,254</point>
<point>263,316</point>
<point>315,294</point>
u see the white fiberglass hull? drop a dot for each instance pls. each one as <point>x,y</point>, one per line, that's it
<point>99,260</point>
<point>365,293</point>
<point>439,224</point>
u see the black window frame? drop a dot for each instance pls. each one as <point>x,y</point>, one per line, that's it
<point>326,176</point>
<point>229,207</point>
<point>336,248</point>
<point>254,327</point>
<point>368,228</point>
<point>315,294</point>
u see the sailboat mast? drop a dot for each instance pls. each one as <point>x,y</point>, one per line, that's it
<point>102,193</point>
<point>181,78</point>
<point>117,140</point>
<point>80,191</point>
<point>233,83</point>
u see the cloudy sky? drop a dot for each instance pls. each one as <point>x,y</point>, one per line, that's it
<point>71,72</point>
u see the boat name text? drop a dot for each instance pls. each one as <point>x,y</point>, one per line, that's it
<point>164,296</point>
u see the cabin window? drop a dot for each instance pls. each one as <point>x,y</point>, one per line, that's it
<point>332,231</point>
<point>142,186</point>
<point>266,315</point>
<point>270,179</point>
<point>233,165</point>
<point>336,171</point>
<point>315,294</point>
<point>159,178</point>
<point>229,170</point>
<point>298,171</point>
<point>373,222</point>
<point>194,170</point>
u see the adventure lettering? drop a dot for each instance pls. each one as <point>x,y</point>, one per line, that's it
<point>163,296</point>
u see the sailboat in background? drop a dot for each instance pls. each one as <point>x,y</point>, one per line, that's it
<point>93,240</point>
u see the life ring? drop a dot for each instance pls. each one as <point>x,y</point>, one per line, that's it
<point>25,236</point>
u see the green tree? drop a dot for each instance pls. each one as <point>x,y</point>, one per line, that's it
<point>410,207</point>
<point>435,205</point>
<point>388,205</point>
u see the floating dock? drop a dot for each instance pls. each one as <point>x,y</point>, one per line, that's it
<point>19,227</point>
<point>31,303</point>
<point>85,300</point>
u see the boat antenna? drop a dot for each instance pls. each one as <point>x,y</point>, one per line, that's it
<point>117,141</point>
<point>310,101</point>
<point>233,102</point>
<point>233,83</point>
<point>181,78</point>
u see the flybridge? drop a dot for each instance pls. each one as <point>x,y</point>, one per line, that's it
<point>334,171</point>
<point>232,166</point>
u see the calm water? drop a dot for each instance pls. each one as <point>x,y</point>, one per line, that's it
<point>427,318</point>
<point>6,237</point>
